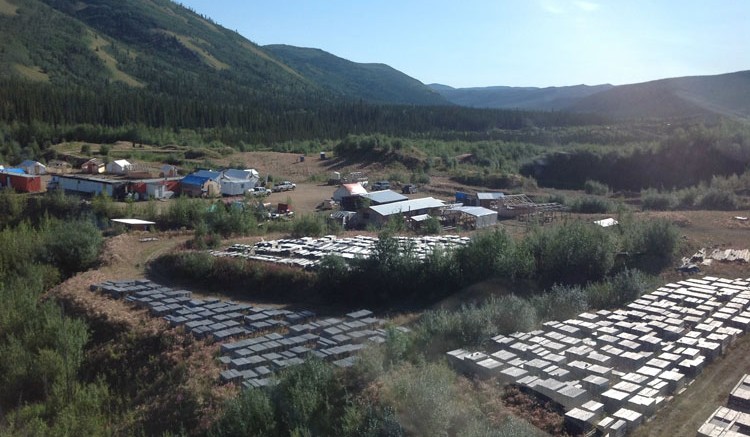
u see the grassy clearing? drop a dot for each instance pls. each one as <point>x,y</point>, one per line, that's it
<point>6,8</point>
<point>99,46</point>
<point>32,73</point>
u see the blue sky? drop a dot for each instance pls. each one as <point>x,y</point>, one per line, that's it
<point>466,43</point>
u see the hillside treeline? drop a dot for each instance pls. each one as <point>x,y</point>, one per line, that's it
<point>685,158</point>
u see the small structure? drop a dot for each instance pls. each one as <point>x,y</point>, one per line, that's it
<point>380,214</point>
<point>237,182</point>
<point>21,182</point>
<point>168,171</point>
<point>94,166</point>
<point>486,200</point>
<point>89,185</point>
<point>151,189</point>
<point>384,197</point>
<point>134,224</point>
<point>119,166</point>
<point>59,167</point>
<point>203,183</point>
<point>348,190</point>
<point>33,167</point>
<point>470,217</point>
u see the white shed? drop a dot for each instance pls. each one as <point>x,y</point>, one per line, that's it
<point>33,167</point>
<point>118,167</point>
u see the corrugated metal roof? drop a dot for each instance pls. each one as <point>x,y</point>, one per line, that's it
<point>476,211</point>
<point>385,196</point>
<point>490,196</point>
<point>234,173</point>
<point>407,205</point>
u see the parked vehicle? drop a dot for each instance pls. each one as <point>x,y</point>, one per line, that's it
<point>409,189</point>
<point>381,185</point>
<point>259,191</point>
<point>284,186</point>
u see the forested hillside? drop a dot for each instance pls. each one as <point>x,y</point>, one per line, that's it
<point>377,83</point>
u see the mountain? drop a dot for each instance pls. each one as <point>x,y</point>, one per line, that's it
<point>156,45</point>
<point>724,94</point>
<point>693,96</point>
<point>370,82</point>
<point>505,97</point>
<point>163,48</point>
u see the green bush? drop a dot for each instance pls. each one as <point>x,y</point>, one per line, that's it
<point>719,199</point>
<point>591,205</point>
<point>575,253</point>
<point>596,188</point>
<point>652,199</point>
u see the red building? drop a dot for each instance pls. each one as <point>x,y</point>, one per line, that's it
<point>23,183</point>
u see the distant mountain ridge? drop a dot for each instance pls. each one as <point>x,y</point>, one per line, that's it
<point>724,94</point>
<point>505,97</point>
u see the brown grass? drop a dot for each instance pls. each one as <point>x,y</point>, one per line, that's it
<point>7,8</point>
<point>32,73</point>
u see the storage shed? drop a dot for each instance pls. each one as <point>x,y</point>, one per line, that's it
<point>33,167</point>
<point>237,182</point>
<point>20,182</point>
<point>380,214</point>
<point>119,166</point>
<point>168,171</point>
<point>93,166</point>
<point>196,185</point>
<point>89,185</point>
<point>471,217</point>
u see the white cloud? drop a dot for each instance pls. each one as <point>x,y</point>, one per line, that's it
<point>586,5</point>
<point>553,7</point>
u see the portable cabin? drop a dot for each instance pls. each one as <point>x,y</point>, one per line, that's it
<point>120,166</point>
<point>33,167</point>
<point>94,166</point>
<point>23,183</point>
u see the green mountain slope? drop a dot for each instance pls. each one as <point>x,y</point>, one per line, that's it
<point>164,48</point>
<point>153,44</point>
<point>370,82</point>
<point>724,94</point>
<point>505,97</point>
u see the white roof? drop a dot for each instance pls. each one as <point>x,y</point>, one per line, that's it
<point>420,217</point>
<point>122,162</point>
<point>476,211</point>
<point>407,205</point>
<point>133,222</point>
<point>354,188</point>
<point>607,222</point>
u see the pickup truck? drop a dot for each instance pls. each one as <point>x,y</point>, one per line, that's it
<point>259,191</point>
<point>381,185</point>
<point>284,186</point>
